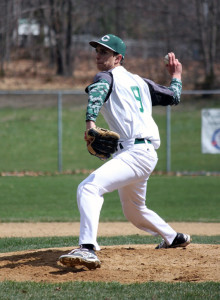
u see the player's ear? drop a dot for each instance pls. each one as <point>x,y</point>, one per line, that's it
<point>119,58</point>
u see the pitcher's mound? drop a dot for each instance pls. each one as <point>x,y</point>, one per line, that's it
<point>125,264</point>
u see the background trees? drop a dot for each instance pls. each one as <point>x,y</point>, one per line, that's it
<point>208,25</point>
<point>58,31</point>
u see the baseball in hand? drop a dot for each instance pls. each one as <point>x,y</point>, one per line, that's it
<point>166,59</point>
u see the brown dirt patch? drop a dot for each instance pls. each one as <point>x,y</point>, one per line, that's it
<point>125,263</point>
<point>105,229</point>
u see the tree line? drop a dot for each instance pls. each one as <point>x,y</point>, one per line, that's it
<point>59,30</point>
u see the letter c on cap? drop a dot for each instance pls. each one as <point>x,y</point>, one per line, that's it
<point>106,38</point>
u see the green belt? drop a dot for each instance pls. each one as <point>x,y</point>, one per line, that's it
<point>136,141</point>
<point>141,141</point>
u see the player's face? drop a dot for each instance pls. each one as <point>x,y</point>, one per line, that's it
<point>106,58</point>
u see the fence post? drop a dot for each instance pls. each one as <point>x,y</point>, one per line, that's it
<point>168,138</point>
<point>59,130</point>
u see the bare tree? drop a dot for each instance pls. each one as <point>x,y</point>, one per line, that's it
<point>6,31</point>
<point>64,21</point>
<point>57,9</point>
<point>207,16</point>
<point>151,28</point>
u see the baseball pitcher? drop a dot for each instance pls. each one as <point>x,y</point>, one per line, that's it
<point>126,101</point>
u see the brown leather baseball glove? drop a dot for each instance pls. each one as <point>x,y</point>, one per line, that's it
<point>101,142</point>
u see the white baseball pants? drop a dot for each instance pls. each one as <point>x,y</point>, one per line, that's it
<point>128,173</point>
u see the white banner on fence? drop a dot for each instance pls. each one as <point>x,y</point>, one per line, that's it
<point>211,131</point>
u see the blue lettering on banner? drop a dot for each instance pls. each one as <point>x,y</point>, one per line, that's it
<point>216,139</point>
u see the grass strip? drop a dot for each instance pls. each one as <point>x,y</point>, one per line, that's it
<point>20,244</point>
<point>53,198</point>
<point>29,138</point>
<point>110,291</point>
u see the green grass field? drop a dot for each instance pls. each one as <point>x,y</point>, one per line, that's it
<point>53,198</point>
<point>111,291</point>
<point>20,244</point>
<point>29,142</point>
<point>29,138</point>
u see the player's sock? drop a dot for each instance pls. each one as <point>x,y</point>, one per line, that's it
<point>88,246</point>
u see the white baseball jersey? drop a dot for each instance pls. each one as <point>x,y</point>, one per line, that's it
<point>128,110</point>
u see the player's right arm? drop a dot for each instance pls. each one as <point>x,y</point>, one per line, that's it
<point>174,67</point>
<point>162,95</point>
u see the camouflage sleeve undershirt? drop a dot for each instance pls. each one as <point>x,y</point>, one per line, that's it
<point>97,92</point>
<point>176,87</point>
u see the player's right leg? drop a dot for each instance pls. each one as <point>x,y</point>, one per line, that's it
<point>181,240</point>
<point>133,198</point>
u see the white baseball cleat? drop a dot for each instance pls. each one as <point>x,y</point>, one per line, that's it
<point>81,257</point>
<point>181,240</point>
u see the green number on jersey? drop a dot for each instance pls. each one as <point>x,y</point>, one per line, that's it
<point>137,96</point>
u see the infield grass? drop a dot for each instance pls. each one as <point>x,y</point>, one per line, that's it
<point>20,244</point>
<point>99,290</point>
<point>111,291</point>
<point>29,142</point>
<point>53,198</point>
<point>29,138</point>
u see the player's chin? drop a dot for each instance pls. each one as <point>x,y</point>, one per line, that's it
<point>101,67</point>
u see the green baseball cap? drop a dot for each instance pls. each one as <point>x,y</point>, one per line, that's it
<point>112,42</point>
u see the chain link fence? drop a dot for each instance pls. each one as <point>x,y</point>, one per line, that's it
<point>42,131</point>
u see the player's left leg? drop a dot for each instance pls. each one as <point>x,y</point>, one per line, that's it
<point>109,177</point>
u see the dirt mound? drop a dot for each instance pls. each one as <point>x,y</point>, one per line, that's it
<point>125,264</point>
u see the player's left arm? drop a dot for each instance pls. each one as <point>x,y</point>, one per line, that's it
<point>98,93</point>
